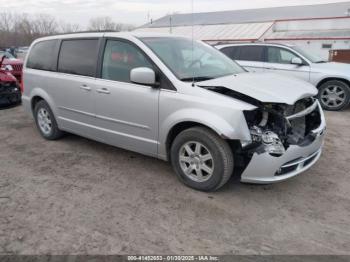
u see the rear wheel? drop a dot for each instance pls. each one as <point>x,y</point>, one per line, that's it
<point>201,159</point>
<point>46,121</point>
<point>334,95</point>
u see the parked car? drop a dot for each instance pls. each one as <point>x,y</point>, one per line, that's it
<point>169,98</point>
<point>10,93</point>
<point>22,52</point>
<point>16,64</point>
<point>331,79</point>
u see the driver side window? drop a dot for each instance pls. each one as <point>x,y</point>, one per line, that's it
<point>120,58</point>
<point>279,55</point>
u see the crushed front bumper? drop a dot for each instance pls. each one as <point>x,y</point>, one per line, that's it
<point>10,95</point>
<point>266,169</point>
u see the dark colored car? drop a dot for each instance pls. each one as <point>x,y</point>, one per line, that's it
<point>16,64</point>
<point>10,92</point>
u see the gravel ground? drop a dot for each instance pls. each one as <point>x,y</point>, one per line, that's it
<point>77,196</point>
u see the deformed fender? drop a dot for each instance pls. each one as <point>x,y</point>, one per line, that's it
<point>235,129</point>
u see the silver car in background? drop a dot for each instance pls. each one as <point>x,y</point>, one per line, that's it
<point>331,79</point>
<point>177,100</point>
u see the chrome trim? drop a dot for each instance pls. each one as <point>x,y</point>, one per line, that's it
<point>322,128</point>
<point>85,87</point>
<point>300,161</point>
<point>76,111</point>
<point>106,118</point>
<point>275,179</point>
<point>103,91</point>
<point>122,122</point>
<point>109,131</point>
<point>305,112</point>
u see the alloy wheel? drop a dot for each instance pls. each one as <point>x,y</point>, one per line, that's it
<point>196,161</point>
<point>44,121</point>
<point>333,96</point>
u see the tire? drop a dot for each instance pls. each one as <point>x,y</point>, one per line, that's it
<point>334,95</point>
<point>211,145</point>
<point>52,132</point>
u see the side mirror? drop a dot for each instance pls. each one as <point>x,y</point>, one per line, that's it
<point>297,61</point>
<point>143,76</point>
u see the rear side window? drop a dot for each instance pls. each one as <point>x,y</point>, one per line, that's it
<point>251,53</point>
<point>43,56</point>
<point>231,52</point>
<point>279,55</point>
<point>78,57</point>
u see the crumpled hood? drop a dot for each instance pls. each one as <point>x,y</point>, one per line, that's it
<point>265,87</point>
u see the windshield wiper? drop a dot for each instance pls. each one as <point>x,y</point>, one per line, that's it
<point>321,62</point>
<point>197,78</point>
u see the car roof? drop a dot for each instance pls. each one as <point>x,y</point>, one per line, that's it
<point>126,35</point>
<point>220,46</point>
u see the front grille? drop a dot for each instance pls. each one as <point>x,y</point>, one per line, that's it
<point>305,118</point>
<point>17,67</point>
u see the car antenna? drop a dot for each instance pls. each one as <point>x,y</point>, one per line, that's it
<point>192,18</point>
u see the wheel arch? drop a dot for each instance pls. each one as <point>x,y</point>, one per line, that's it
<point>182,126</point>
<point>230,127</point>
<point>39,94</point>
<point>36,99</point>
<point>327,79</point>
<point>177,129</point>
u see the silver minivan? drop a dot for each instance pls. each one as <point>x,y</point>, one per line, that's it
<point>177,100</point>
<point>331,79</point>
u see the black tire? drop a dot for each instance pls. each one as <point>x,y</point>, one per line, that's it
<point>55,133</point>
<point>219,149</point>
<point>333,106</point>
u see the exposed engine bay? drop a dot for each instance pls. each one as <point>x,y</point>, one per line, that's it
<point>273,126</point>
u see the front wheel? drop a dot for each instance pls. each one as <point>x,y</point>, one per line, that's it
<point>334,95</point>
<point>201,159</point>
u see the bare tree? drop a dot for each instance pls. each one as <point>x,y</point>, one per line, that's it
<point>101,24</point>
<point>45,24</point>
<point>107,24</point>
<point>6,22</point>
<point>21,29</point>
<point>68,27</point>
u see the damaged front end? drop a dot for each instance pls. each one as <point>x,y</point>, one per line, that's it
<point>10,93</point>
<point>285,140</point>
<point>275,127</point>
<point>286,128</point>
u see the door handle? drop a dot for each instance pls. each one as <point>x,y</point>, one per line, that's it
<point>103,91</point>
<point>85,87</point>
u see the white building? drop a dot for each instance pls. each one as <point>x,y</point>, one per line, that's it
<point>318,28</point>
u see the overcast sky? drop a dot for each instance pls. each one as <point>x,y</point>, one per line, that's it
<point>135,11</point>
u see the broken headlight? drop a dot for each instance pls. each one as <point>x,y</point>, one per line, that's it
<point>270,140</point>
<point>273,143</point>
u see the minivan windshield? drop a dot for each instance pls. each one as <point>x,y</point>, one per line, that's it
<point>191,60</point>
<point>313,58</point>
